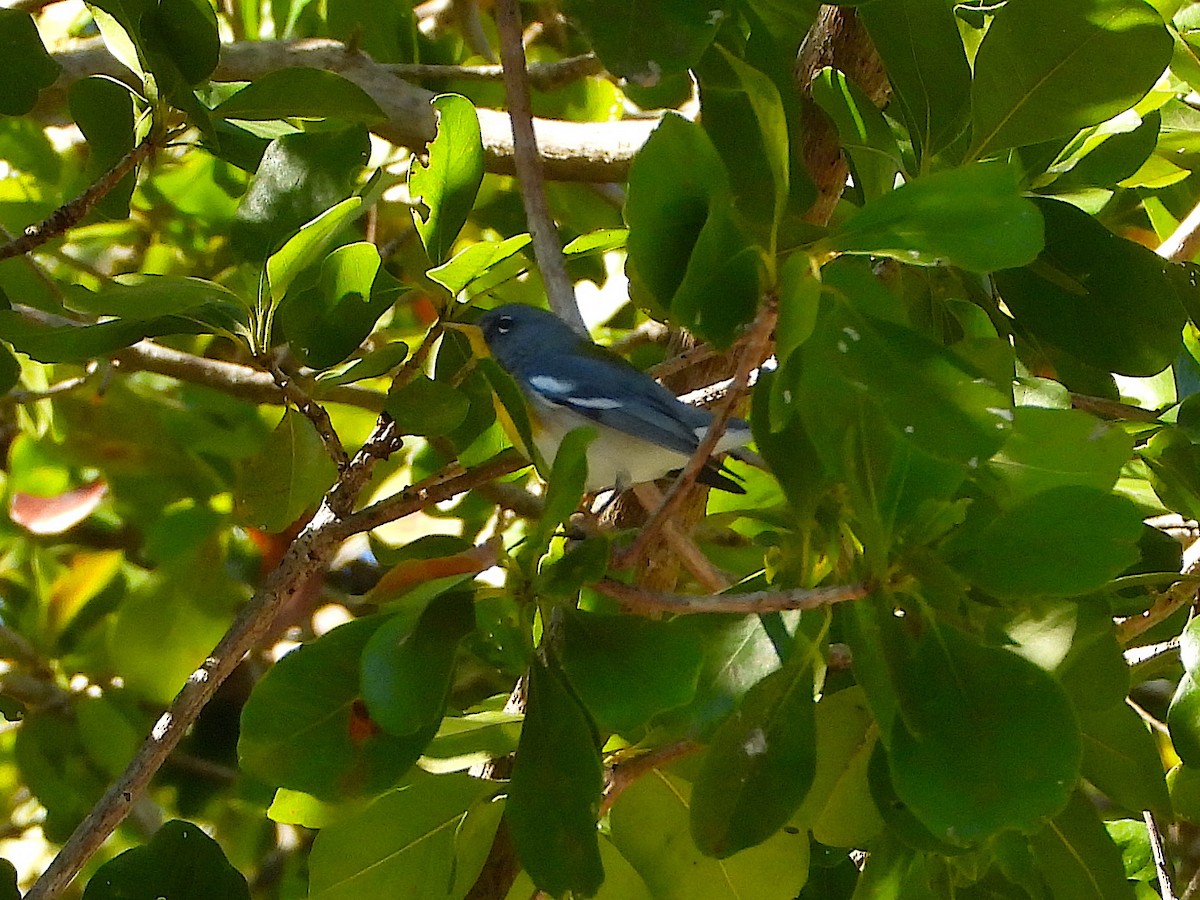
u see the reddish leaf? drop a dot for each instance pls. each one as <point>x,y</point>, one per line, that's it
<point>54,515</point>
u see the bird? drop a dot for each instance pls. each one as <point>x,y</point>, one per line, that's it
<point>643,430</point>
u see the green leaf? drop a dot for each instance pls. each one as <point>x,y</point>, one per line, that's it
<point>148,297</point>
<point>377,362</point>
<point>446,186</point>
<point>53,763</point>
<point>306,246</point>
<point>328,322</point>
<point>1051,448</point>
<point>1120,758</point>
<point>973,217</point>
<point>1107,158</point>
<point>185,31</point>
<point>799,303</point>
<point>1036,72</point>
<point>929,396</point>
<point>988,742</point>
<point>466,741</point>
<point>685,251</point>
<point>415,841</point>
<point>180,862</point>
<point>738,652</point>
<point>839,807</point>
<point>583,562</point>
<point>599,241</point>
<point>1077,858</point>
<point>922,51</point>
<point>388,32</point>
<point>475,261</point>
<point>720,289</point>
<point>79,343</point>
<point>25,66</point>
<point>895,872</point>
<point>103,109</point>
<point>10,370</point>
<point>301,177</point>
<point>1173,461</point>
<point>407,666</point>
<point>554,794</point>
<point>1133,840</point>
<point>1183,716</point>
<point>890,809</point>
<point>626,669</point>
<point>744,117</point>
<point>1183,783</point>
<point>1063,541</point>
<point>568,478</point>
<point>305,728</point>
<point>650,826</point>
<point>862,131</point>
<point>286,479</point>
<point>1109,302</point>
<point>760,764</point>
<point>427,407</point>
<point>629,38</point>
<point>300,92</point>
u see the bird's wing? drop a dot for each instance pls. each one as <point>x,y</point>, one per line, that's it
<point>634,403</point>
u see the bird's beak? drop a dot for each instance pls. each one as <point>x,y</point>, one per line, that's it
<point>474,336</point>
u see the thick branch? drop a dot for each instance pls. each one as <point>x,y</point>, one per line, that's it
<point>243,382</point>
<point>570,151</point>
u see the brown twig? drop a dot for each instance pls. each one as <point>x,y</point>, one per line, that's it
<point>754,348</point>
<point>312,411</point>
<point>1162,865</point>
<point>542,76</point>
<point>22,397</point>
<point>546,244</point>
<point>1113,409</point>
<point>72,213</point>
<point>645,602</point>
<point>1166,605</point>
<point>623,774</point>
<point>448,483</point>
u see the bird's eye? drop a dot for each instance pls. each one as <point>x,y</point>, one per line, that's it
<point>504,324</point>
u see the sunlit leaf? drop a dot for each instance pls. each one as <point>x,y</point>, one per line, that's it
<point>446,186</point>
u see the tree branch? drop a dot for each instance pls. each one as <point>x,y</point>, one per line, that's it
<point>448,483</point>
<point>71,214</point>
<point>543,76</point>
<point>623,774</point>
<point>307,556</point>
<point>546,244</point>
<point>1184,241</point>
<point>570,151</point>
<point>645,602</point>
<point>243,382</point>
<point>313,411</point>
